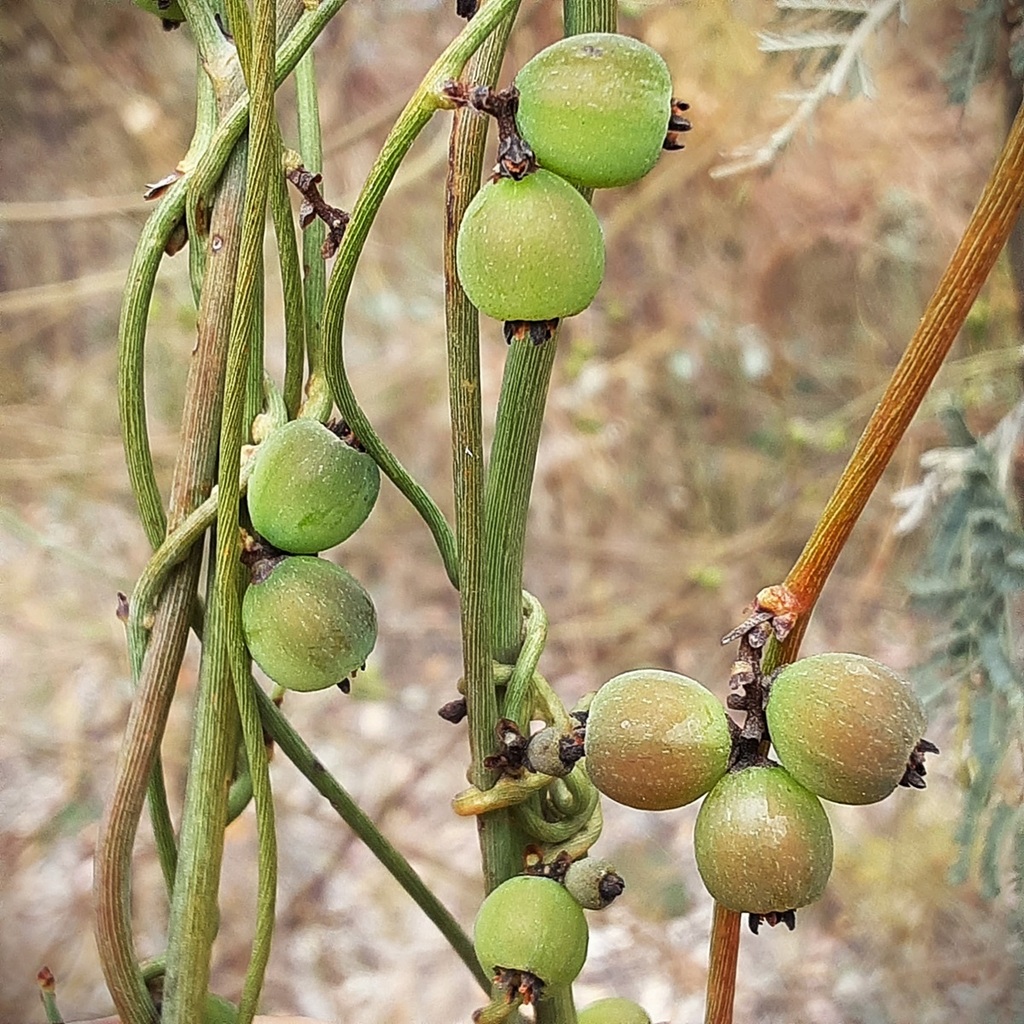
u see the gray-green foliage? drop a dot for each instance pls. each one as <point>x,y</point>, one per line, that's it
<point>975,54</point>
<point>973,585</point>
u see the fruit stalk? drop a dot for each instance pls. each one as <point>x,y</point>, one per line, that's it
<point>969,267</point>
<point>499,855</point>
<point>294,747</point>
<point>723,954</point>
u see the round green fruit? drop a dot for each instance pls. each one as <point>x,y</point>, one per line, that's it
<point>530,249</point>
<point>532,924</point>
<point>656,740</point>
<point>595,108</point>
<point>219,1010</point>
<point>309,490</point>
<point>307,622</point>
<point>614,1010</point>
<point>844,725</point>
<point>763,843</point>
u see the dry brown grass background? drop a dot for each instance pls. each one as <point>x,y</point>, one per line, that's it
<point>701,411</point>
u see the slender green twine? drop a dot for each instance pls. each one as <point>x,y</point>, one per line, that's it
<point>314,268</point>
<point>295,748</point>
<point>417,112</point>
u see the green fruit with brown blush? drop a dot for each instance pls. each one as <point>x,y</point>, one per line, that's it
<point>844,725</point>
<point>656,739</point>
<point>763,843</point>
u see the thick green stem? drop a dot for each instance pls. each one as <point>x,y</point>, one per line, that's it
<point>509,483</point>
<point>194,912</point>
<point>557,1006</point>
<point>499,853</point>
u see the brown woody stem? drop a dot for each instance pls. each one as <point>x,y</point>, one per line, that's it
<point>722,956</point>
<point>971,263</point>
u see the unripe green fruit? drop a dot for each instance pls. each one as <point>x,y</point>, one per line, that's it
<point>656,740</point>
<point>614,1010</point>
<point>530,249</point>
<point>309,490</point>
<point>219,1010</point>
<point>593,883</point>
<point>529,923</point>
<point>544,752</point>
<point>595,108</point>
<point>308,624</point>
<point>844,725</point>
<point>763,843</point>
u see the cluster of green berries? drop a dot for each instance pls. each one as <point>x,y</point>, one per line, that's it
<point>308,622</point>
<point>593,111</point>
<point>844,727</point>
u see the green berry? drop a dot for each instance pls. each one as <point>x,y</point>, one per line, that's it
<point>763,843</point>
<point>656,739</point>
<point>593,882</point>
<point>530,249</point>
<point>614,1010</point>
<point>844,725</point>
<point>309,490</point>
<point>531,924</point>
<point>308,623</point>
<point>219,1010</point>
<point>595,108</point>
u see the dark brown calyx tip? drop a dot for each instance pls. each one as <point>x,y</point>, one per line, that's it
<point>774,917</point>
<point>913,776</point>
<point>454,711</point>
<point>538,331</point>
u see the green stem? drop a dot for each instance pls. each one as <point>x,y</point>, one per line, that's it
<point>294,747</point>
<point>557,1005</point>
<point>424,102</point>
<point>134,771</point>
<point>509,482</point>
<point>131,390</point>
<point>499,854</point>
<point>578,16</point>
<point>194,915</point>
<point>314,268</point>
<point>517,706</point>
<point>193,478</point>
<point>292,286</point>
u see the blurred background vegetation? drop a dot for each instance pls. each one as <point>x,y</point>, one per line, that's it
<point>701,411</point>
